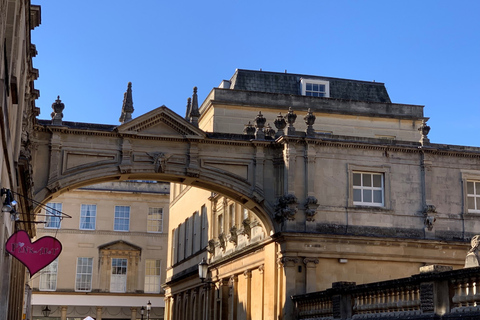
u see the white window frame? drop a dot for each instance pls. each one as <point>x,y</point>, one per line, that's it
<point>469,176</point>
<point>152,281</point>
<point>155,224</point>
<point>120,219</point>
<point>475,196</point>
<point>49,275</point>
<point>384,170</point>
<point>52,215</point>
<point>115,284</point>
<point>305,81</point>
<point>84,274</point>
<point>84,209</point>
<point>363,187</point>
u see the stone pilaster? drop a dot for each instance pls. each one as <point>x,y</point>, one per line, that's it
<point>233,297</point>
<point>287,272</point>
<point>311,274</point>
<point>248,289</point>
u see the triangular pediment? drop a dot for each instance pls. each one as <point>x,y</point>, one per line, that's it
<point>160,122</point>
<point>119,246</point>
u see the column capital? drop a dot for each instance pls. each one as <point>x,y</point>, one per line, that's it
<point>287,261</point>
<point>261,268</point>
<point>311,262</point>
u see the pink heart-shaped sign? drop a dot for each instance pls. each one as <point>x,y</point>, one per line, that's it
<point>35,256</point>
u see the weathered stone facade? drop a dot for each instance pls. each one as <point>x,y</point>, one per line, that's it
<point>84,280</point>
<point>17,104</point>
<point>343,190</point>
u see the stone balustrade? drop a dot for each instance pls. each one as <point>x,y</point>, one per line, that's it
<point>432,294</point>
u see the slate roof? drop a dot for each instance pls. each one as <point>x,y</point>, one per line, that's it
<point>289,83</point>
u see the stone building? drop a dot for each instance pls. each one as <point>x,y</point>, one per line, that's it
<point>114,252</point>
<point>17,104</point>
<point>361,193</point>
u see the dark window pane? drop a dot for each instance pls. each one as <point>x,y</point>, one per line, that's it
<point>357,179</point>
<point>471,203</point>
<point>367,195</point>
<point>367,180</point>
<point>377,181</point>
<point>357,195</point>
<point>470,187</point>
<point>377,196</point>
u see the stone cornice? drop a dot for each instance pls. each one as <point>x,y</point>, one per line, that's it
<point>370,241</point>
<point>102,232</point>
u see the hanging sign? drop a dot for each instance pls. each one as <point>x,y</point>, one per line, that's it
<point>35,256</point>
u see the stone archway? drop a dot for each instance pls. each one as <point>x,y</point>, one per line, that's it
<point>159,145</point>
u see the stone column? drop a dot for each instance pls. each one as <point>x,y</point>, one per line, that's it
<point>311,274</point>
<point>133,311</point>
<point>99,313</point>
<point>288,264</point>
<point>233,297</point>
<point>63,312</point>
<point>248,290</point>
<point>261,289</point>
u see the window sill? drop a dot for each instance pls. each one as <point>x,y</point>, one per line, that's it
<point>369,208</point>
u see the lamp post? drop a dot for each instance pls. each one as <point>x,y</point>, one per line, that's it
<point>142,311</point>
<point>149,307</point>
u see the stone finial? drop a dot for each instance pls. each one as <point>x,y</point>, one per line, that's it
<point>291,117</point>
<point>194,113</point>
<point>57,114</point>
<point>472,259</point>
<point>424,129</point>
<point>259,124</point>
<point>309,121</point>
<point>280,123</point>
<point>189,109</point>
<point>127,107</point>
<point>269,131</point>
<point>249,129</point>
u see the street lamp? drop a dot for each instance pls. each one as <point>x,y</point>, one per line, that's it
<point>142,311</point>
<point>46,311</point>
<point>149,307</point>
<point>203,269</point>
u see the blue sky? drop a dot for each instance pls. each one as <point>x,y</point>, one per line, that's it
<point>426,52</point>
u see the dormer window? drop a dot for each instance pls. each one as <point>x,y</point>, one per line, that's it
<point>315,88</point>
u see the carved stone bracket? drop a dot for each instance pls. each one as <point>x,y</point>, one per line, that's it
<point>211,246</point>
<point>222,241</point>
<point>286,207</point>
<point>247,229</point>
<point>233,235</point>
<point>429,213</point>
<point>311,205</point>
